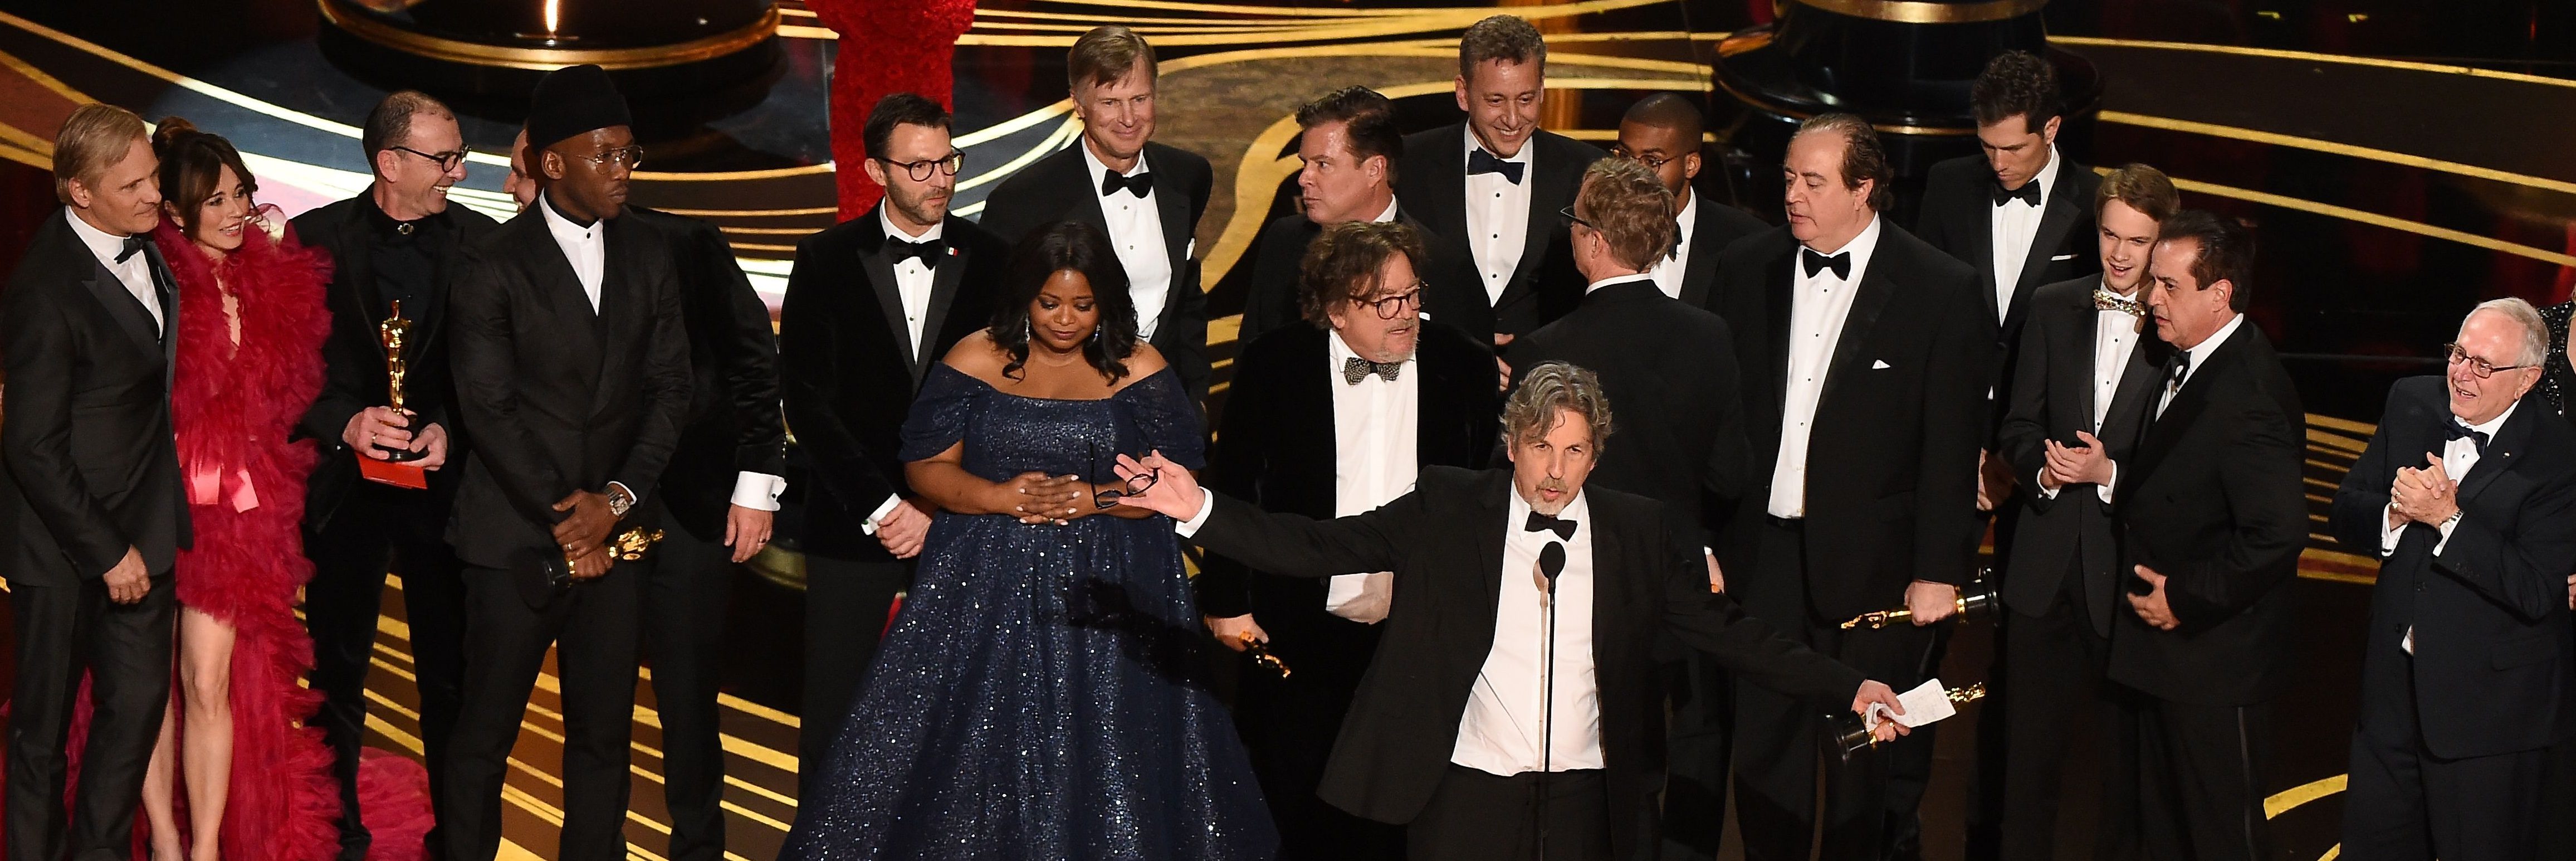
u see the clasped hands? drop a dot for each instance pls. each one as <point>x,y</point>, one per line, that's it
<point>583,533</point>
<point>2089,463</point>
<point>2425,495</point>
<point>389,427</point>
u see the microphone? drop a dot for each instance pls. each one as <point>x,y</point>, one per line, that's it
<point>1551,562</point>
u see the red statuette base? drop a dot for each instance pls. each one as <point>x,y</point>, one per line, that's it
<point>389,472</point>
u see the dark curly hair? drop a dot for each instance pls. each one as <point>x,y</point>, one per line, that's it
<point>2016,83</point>
<point>1084,250</point>
<point>1342,263</point>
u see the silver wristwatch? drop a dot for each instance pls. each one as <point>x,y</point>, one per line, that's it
<point>618,503</point>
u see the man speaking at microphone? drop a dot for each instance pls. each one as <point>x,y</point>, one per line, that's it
<point>1486,727</point>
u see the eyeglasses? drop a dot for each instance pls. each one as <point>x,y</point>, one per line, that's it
<point>920,170</point>
<point>629,157</point>
<point>1568,214</point>
<point>445,160</point>
<point>1651,162</point>
<point>1391,307</point>
<point>1131,486</point>
<point>2478,367</point>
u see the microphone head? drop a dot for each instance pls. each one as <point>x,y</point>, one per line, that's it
<point>1551,562</point>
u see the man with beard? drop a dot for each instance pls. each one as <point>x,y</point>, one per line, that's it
<point>872,304</point>
<point>572,367</point>
<point>400,241</point>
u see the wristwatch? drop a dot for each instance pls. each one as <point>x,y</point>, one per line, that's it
<point>619,503</point>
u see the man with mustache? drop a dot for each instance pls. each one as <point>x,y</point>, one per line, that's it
<point>872,303</point>
<point>400,241</point>
<point>1513,709</point>
<point>1491,185</point>
<point>1148,196</point>
<point>2085,372</point>
<point>1334,415</point>
<point>572,369</point>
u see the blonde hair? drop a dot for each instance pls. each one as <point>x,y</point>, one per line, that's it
<point>1624,201</point>
<point>93,137</point>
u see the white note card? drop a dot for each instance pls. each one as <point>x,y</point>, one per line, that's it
<point>1926,703</point>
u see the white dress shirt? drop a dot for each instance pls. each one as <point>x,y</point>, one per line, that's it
<point>2014,226</point>
<point>1498,217</point>
<point>1374,461</point>
<point>2458,457</point>
<point>2115,336</point>
<point>1818,306</point>
<point>1389,214</point>
<point>1500,732</point>
<point>912,279</point>
<point>1136,231</point>
<point>135,273</point>
<point>585,247</point>
<point>1668,269</point>
<point>2199,360</point>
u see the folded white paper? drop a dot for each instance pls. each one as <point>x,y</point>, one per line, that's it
<point>1926,703</point>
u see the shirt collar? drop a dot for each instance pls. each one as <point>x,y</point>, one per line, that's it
<point>886,222</point>
<point>106,247</point>
<point>1389,214</point>
<point>2104,285</point>
<point>1473,144</point>
<point>1097,168</point>
<point>1618,279</point>
<point>564,230</point>
<point>2047,177</point>
<point>1688,214</point>
<point>2200,352</point>
<point>1861,247</point>
<point>2490,426</point>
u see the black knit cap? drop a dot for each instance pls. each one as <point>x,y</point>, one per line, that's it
<point>573,100</point>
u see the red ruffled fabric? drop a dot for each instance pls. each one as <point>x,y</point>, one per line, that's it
<point>886,47</point>
<point>234,409</point>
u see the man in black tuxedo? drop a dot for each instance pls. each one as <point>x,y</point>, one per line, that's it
<point>400,241</point>
<point>572,370</point>
<point>2212,516</point>
<point>2469,501</point>
<point>1663,132</point>
<point>1461,730</point>
<point>1866,359</point>
<point>871,305</point>
<point>2087,369</point>
<point>1331,417</point>
<point>1671,368</point>
<point>91,513</point>
<point>1147,196</point>
<point>1491,185</point>
<point>1349,145</point>
<point>717,501</point>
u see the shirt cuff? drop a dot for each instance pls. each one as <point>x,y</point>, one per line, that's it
<point>757,491</point>
<point>884,510</point>
<point>631,495</point>
<point>2388,534</point>
<point>2446,527</point>
<point>1189,528</point>
<point>2103,490</point>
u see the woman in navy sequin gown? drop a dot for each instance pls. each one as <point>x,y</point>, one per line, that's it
<point>1040,695</point>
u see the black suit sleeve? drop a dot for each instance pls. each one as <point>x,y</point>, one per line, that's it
<point>747,350</point>
<point>1729,455</point>
<point>810,375</point>
<point>487,392</point>
<point>1293,545</point>
<point>36,440</point>
<point>1955,420</point>
<point>1929,226</point>
<point>1752,648</point>
<point>1010,212</point>
<point>1189,338</point>
<point>2259,476</point>
<point>666,393</point>
<point>2521,566</point>
<point>343,385</point>
<point>2020,440</point>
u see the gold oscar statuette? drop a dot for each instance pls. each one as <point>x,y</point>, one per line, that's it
<point>1852,735</point>
<point>1977,602</point>
<point>393,333</point>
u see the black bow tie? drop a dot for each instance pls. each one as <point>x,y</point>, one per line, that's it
<point>1480,161</point>
<point>2105,300</point>
<point>1355,369</point>
<point>928,251</point>
<point>2177,366</point>
<point>1814,262</point>
<point>1564,529</point>
<point>2454,430</point>
<point>133,244</point>
<point>2027,193</point>
<point>1111,181</point>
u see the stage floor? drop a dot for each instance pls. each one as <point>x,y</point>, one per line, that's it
<point>2402,165</point>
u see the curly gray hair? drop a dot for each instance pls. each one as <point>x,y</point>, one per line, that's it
<point>1553,386</point>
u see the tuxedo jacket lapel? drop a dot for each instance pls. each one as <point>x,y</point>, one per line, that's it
<point>1876,287</point>
<point>552,277</point>
<point>2054,222</point>
<point>878,271</point>
<point>1782,285</point>
<point>943,293</point>
<point>1978,219</point>
<point>1701,269</point>
<point>2498,457</point>
<point>1172,205</point>
<point>129,312</point>
<point>1478,640</point>
<point>1446,211</point>
<point>2163,431</point>
<point>2135,394</point>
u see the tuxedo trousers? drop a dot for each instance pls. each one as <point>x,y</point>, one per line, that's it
<point>688,581</point>
<point>846,603</point>
<point>1288,726</point>
<point>593,630</point>
<point>2192,783</point>
<point>1474,815</point>
<point>2051,689</point>
<point>378,529</point>
<point>2405,804</point>
<point>1777,742</point>
<point>1700,742</point>
<point>61,633</point>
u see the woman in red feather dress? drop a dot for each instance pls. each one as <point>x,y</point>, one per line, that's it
<point>251,322</point>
